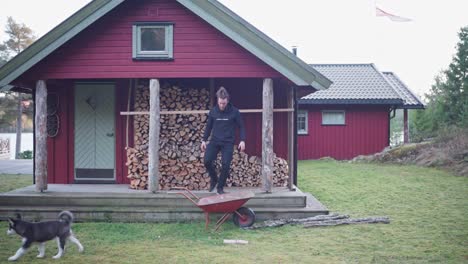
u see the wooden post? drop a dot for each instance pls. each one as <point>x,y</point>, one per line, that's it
<point>267,136</point>
<point>290,99</point>
<point>405,126</point>
<point>19,116</point>
<point>40,120</point>
<point>154,129</point>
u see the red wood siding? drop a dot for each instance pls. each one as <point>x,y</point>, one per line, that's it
<point>104,50</point>
<point>365,132</point>
<point>60,148</point>
<point>121,97</point>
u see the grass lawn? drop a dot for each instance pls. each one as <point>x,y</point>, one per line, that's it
<point>428,209</point>
<point>10,182</point>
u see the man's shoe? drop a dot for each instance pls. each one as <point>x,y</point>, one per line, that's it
<point>212,187</point>
<point>221,191</point>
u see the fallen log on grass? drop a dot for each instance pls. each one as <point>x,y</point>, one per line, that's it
<point>367,220</point>
<point>322,220</point>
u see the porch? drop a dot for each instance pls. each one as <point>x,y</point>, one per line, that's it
<point>81,149</point>
<point>119,203</point>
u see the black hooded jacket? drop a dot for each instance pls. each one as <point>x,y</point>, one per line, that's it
<point>221,125</point>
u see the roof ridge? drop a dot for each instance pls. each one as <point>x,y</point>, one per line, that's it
<point>386,80</point>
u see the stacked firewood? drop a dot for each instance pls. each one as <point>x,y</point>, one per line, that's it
<point>246,171</point>
<point>180,157</point>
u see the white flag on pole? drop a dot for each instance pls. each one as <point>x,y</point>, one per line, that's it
<point>380,12</point>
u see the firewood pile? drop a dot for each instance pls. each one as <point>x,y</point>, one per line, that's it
<point>180,157</point>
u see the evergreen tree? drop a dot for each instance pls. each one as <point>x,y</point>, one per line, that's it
<point>448,97</point>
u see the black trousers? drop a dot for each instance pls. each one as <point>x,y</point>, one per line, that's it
<point>211,153</point>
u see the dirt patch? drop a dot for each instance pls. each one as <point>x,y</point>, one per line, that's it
<point>447,152</point>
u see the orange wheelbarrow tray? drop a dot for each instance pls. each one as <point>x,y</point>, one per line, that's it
<point>227,203</point>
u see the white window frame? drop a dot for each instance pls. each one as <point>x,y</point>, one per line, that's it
<point>304,113</point>
<point>326,123</point>
<point>166,54</point>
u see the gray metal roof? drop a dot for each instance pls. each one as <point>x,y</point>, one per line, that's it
<point>410,100</point>
<point>354,84</point>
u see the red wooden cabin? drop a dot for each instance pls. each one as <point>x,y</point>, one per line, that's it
<point>352,117</point>
<point>109,43</point>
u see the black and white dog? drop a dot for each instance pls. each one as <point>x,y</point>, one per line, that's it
<point>43,231</point>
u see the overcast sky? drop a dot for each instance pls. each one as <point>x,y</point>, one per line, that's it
<point>325,31</point>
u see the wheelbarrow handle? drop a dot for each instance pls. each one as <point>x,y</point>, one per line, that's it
<point>191,196</point>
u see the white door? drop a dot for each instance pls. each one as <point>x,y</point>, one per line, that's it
<point>94,132</point>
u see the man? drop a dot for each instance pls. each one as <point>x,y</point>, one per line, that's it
<point>221,125</point>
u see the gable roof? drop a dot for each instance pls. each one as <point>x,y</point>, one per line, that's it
<point>54,39</point>
<point>353,84</point>
<point>410,100</point>
<point>211,11</point>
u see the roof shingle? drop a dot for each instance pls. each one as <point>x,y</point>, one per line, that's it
<point>361,84</point>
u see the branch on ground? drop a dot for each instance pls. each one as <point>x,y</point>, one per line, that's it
<point>322,220</point>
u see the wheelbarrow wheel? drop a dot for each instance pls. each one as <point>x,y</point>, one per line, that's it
<point>246,217</point>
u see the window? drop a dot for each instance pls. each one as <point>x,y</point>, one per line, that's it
<point>333,117</point>
<point>302,126</point>
<point>153,41</point>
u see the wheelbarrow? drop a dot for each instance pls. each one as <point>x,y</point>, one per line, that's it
<point>227,203</point>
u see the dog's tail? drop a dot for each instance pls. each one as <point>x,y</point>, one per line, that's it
<point>66,216</point>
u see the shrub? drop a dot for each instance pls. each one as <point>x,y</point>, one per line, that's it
<point>27,154</point>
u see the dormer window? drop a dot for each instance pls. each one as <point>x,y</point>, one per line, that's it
<point>153,41</point>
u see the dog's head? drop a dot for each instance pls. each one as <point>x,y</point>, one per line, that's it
<point>12,224</point>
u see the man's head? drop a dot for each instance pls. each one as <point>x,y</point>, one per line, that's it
<point>223,98</point>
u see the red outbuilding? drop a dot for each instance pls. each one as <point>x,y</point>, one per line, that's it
<point>352,117</point>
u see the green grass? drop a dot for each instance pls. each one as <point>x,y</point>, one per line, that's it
<point>10,182</point>
<point>428,209</point>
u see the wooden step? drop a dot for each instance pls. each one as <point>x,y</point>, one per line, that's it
<point>96,196</point>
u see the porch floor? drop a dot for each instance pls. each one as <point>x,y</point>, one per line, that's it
<point>117,202</point>
<point>56,189</point>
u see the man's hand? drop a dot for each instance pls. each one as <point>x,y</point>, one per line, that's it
<point>241,146</point>
<point>203,146</point>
